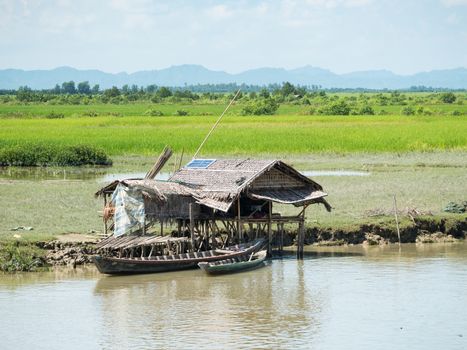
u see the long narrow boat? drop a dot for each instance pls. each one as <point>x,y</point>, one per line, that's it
<point>165,263</point>
<point>236,264</point>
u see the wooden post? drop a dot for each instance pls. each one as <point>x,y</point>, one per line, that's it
<point>397,220</point>
<point>192,226</point>
<point>301,235</point>
<point>206,231</point>
<point>270,229</point>
<point>105,222</point>
<point>213,230</point>
<point>179,224</point>
<point>239,223</point>
<point>281,239</point>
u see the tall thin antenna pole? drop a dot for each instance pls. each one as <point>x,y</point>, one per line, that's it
<point>214,126</point>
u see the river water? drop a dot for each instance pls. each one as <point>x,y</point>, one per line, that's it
<point>337,298</point>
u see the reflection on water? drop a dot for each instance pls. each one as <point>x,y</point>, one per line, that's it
<point>411,297</point>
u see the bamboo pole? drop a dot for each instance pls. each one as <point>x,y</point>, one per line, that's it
<point>181,159</point>
<point>215,125</point>
<point>163,158</point>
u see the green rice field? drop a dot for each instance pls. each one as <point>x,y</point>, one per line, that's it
<point>244,135</point>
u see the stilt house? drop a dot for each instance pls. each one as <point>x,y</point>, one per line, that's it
<point>210,203</point>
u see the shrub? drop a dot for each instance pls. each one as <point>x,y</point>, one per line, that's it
<point>366,110</point>
<point>408,110</point>
<point>90,114</point>
<point>44,155</point>
<point>456,113</point>
<point>153,113</point>
<point>447,97</point>
<point>264,106</point>
<point>81,155</point>
<point>20,257</point>
<point>181,112</point>
<point>339,107</point>
<point>53,115</point>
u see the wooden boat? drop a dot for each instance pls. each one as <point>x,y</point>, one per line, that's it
<point>235,264</point>
<point>165,263</point>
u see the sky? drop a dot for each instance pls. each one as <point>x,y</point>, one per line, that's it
<point>403,36</point>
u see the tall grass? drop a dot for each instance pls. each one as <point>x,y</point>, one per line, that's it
<point>244,135</point>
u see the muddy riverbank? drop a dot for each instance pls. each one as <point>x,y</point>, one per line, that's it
<point>423,230</point>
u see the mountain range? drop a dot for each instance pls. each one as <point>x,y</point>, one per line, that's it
<point>195,74</point>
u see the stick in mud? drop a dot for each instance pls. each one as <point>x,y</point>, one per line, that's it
<point>397,220</point>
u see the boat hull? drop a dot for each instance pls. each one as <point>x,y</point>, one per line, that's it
<point>234,267</point>
<point>113,265</point>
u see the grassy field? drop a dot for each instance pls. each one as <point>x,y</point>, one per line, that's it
<point>422,181</point>
<point>245,135</point>
<point>422,158</point>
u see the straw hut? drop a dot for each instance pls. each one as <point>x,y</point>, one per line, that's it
<point>213,202</point>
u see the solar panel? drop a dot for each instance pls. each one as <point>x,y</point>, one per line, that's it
<point>200,163</point>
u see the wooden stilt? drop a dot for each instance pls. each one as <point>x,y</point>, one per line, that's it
<point>301,235</point>
<point>213,239</point>
<point>105,221</point>
<point>270,229</point>
<point>192,226</point>
<point>206,225</point>
<point>239,222</point>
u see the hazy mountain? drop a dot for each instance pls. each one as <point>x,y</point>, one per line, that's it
<point>195,74</point>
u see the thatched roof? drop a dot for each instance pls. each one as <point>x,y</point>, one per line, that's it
<point>220,183</point>
<point>151,188</point>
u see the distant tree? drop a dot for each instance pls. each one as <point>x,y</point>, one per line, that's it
<point>24,94</point>
<point>134,88</point>
<point>287,89</point>
<point>264,93</point>
<point>448,97</point>
<point>84,88</point>
<point>151,88</point>
<point>300,91</point>
<point>125,89</point>
<point>164,92</point>
<point>68,87</point>
<point>56,89</point>
<point>112,92</point>
<point>95,89</point>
